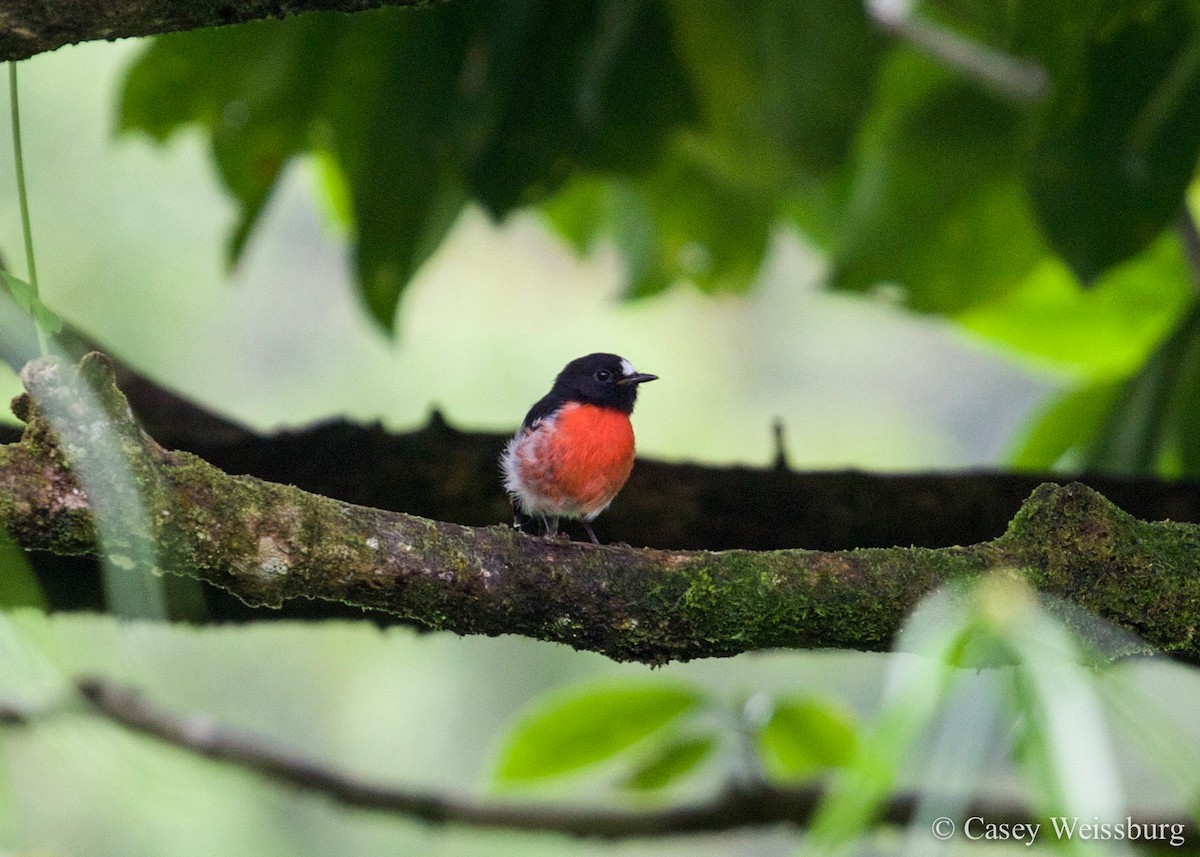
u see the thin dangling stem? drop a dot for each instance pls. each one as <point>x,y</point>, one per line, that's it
<point>26,227</point>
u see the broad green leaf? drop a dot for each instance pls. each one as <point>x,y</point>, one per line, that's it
<point>1106,331</point>
<point>806,735</point>
<point>1055,33</point>
<point>1146,420</point>
<point>710,229</point>
<point>589,725</point>
<point>375,91</point>
<point>593,207</point>
<point>19,585</point>
<point>690,220</point>
<point>422,110</point>
<point>695,127</point>
<point>935,202</point>
<point>792,74</point>
<point>565,87</point>
<point>1155,725</point>
<point>335,194</point>
<point>1063,429</point>
<point>256,89</point>
<point>31,671</point>
<point>391,140</point>
<point>670,763</point>
<point>22,292</point>
<point>1116,153</point>
<point>1185,445</point>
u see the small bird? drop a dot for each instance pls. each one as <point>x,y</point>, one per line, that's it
<point>574,451</point>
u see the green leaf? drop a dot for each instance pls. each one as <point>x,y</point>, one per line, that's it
<point>19,586</point>
<point>586,726</point>
<point>335,194</point>
<point>1106,331</point>
<point>592,207</point>
<point>1068,425</point>
<point>1186,423</point>
<point>1055,33</point>
<point>806,735</point>
<point>31,668</point>
<point>935,202</point>
<point>690,220</point>
<point>709,228</point>
<point>796,75</point>
<point>391,142</point>
<point>421,110</point>
<point>376,91</point>
<point>1116,152</point>
<point>24,296</point>
<point>1150,417</point>
<point>256,89</point>
<point>670,763</point>
<point>565,88</point>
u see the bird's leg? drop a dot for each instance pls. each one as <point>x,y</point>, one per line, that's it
<point>519,520</point>
<point>549,525</point>
<point>591,534</point>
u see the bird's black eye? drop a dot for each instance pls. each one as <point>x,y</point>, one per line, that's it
<point>603,375</point>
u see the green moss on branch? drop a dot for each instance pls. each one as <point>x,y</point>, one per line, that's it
<point>268,543</point>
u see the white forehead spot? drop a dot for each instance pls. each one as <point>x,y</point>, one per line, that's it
<point>627,368</point>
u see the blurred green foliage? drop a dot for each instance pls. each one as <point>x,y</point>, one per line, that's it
<point>27,299</point>
<point>907,170</point>
<point>685,132</point>
<point>806,736</point>
<point>578,729</point>
<point>988,677</point>
<point>670,762</point>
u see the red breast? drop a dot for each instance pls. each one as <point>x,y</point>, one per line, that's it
<point>578,459</point>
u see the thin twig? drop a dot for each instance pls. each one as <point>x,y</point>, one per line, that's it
<point>23,201</point>
<point>203,736</point>
<point>1013,77</point>
<point>738,806</point>
<point>781,460</point>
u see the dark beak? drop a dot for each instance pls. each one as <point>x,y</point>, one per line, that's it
<point>639,378</point>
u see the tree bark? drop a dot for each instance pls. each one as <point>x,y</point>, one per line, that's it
<point>268,543</point>
<point>446,474</point>
<point>29,27</point>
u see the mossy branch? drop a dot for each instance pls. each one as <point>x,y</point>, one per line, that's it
<point>29,27</point>
<point>268,543</point>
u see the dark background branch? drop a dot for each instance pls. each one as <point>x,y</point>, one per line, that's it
<point>738,806</point>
